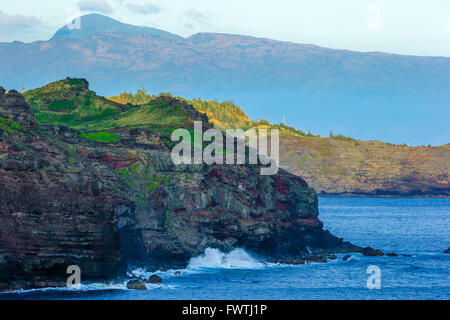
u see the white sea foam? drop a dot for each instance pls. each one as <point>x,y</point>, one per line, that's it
<point>214,258</point>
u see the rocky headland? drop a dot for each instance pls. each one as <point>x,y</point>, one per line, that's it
<point>103,200</point>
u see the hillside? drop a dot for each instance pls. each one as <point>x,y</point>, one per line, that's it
<point>340,165</point>
<point>369,95</point>
<point>70,103</point>
<point>333,166</point>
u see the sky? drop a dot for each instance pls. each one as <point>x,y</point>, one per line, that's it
<point>413,27</point>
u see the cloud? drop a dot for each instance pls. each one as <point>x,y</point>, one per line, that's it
<point>147,8</point>
<point>95,5</point>
<point>197,16</point>
<point>18,22</point>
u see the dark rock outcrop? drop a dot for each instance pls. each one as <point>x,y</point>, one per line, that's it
<point>154,279</point>
<point>65,200</point>
<point>447,250</point>
<point>136,285</point>
<point>370,252</point>
<point>392,254</point>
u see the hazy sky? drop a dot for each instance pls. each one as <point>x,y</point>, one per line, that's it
<point>418,27</point>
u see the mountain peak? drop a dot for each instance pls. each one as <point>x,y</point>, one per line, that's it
<point>97,24</point>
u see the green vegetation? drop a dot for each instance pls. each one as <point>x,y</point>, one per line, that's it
<point>141,97</point>
<point>100,137</point>
<point>404,145</point>
<point>62,105</point>
<point>9,126</point>
<point>168,219</point>
<point>340,137</point>
<point>139,183</point>
<point>70,103</point>
<point>224,115</point>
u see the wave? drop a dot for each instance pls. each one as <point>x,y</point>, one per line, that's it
<point>236,259</point>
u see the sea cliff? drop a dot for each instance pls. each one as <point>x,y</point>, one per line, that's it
<point>103,200</point>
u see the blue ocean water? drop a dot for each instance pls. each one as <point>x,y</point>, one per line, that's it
<point>417,227</point>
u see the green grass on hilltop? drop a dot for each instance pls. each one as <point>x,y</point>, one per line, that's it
<point>224,115</point>
<point>70,103</point>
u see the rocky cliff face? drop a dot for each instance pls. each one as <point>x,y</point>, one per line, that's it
<point>53,213</point>
<point>367,168</point>
<point>67,198</point>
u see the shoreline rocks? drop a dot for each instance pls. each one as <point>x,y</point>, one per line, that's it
<point>136,285</point>
<point>154,279</point>
<point>392,254</point>
<point>370,252</point>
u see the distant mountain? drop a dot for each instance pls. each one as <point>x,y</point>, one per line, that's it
<point>97,24</point>
<point>367,95</point>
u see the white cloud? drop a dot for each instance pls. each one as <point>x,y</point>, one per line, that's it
<point>18,22</point>
<point>95,5</point>
<point>143,9</point>
<point>197,16</point>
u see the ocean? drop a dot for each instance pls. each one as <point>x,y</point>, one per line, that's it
<point>417,229</point>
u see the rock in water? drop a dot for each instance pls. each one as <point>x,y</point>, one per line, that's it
<point>347,257</point>
<point>370,252</point>
<point>392,254</point>
<point>136,285</point>
<point>447,250</point>
<point>154,279</point>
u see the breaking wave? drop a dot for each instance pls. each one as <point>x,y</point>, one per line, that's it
<point>236,259</point>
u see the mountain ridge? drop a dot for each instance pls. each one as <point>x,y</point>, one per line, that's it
<point>98,24</point>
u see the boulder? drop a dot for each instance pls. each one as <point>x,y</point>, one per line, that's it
<point>447,250</point>
<point>154,279</point>
<point>347,257</point>
<point>332,257</point>
<point>136,285</point>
